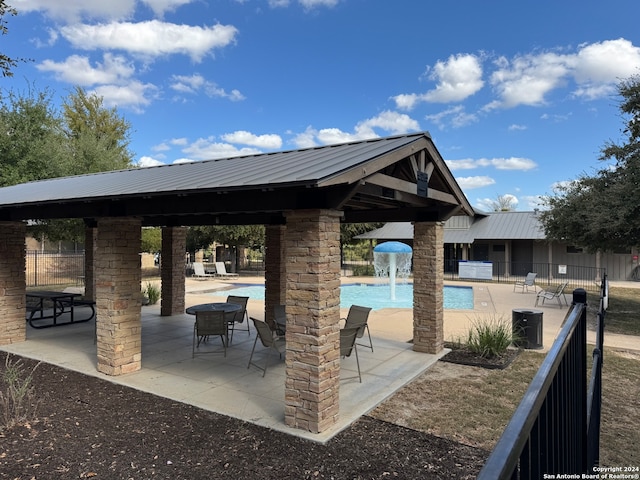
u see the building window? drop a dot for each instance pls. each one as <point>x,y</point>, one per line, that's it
<point>573,249</point>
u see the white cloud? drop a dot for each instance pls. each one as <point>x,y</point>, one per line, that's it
<point>309,4</point>
<point>526,79</point>
<point>388,121</point>
<point>152,38</point>
<point>469,183</point>
<point>208,148</point>
<point>457,78</point>
<point>515,127</point>
<point>278,3</point>
<point>246,138</point>
<point>77,70</point>
<point>74,10</point>
<point>512,163</point>
<point>455,116</point>
<point>192,84</point>
<point>134,95</point>
<point>159,7</point>
<point>145,162</point>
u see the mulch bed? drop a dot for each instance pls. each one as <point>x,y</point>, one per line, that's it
<point>90,428</point>
<point>460,354</point>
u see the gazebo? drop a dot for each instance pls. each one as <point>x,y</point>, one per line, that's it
<point>301,197</point>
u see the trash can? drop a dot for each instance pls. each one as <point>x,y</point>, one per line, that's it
<point>526,328</point>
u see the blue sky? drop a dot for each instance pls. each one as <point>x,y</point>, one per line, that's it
<point>517,95</point>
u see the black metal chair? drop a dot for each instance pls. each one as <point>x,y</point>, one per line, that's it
<point>240,316</point>
<point>270,340</point>
<point>209,323</point>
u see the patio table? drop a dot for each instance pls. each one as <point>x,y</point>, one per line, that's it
<point>61,303</point>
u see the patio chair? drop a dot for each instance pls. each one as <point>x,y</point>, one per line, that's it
<point>209,323</point>
<point>529,281</point>
<point>280,319</point>
<point>348,345</point>
<point>240,316</point>
<point>270,340</point>
<point>221,271</point>
<point>198,271</point>
<point>357,318</point>
<point>558,294</point>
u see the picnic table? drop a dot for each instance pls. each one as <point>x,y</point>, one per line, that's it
<point>47,308</point>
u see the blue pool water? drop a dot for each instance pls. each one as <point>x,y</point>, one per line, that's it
<point>374,296</point>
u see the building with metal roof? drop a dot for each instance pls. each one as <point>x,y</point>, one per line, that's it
<point>300,196</point>
<point>514,241</point>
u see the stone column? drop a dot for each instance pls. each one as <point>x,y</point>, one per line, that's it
<point>12,282</point>
<point>90,235</point>
<point>312,246</point>
<point>118,295</point>
<point>172,275</point>
<point>275,269</point>
<point>428,285</point>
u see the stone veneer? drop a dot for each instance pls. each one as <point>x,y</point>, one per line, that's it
<point>12,282</point>
<point>118,295</point>
<point>428,285</point>
<point>172,275</point>
<point>312,246</point>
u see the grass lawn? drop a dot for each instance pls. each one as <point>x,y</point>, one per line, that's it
<point>473,405</point>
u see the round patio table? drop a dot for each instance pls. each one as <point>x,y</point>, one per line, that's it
<point>216,307</point>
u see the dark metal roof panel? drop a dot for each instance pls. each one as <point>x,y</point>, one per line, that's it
<point>303,167</point>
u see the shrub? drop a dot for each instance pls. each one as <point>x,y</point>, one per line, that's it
<point>18,402</point>
<point>490,336</point>
<point>152,292</point>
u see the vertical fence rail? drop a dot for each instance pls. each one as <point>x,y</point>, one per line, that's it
<point>556,428</point>
<point>45,268</point>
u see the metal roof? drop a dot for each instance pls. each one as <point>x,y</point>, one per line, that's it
<point>370,180</point>
<point>489,226</point>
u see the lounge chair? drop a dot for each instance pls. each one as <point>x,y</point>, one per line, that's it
<point>348,345</point>
<point>209,323</point>
<point>240,316</point>
<point>357,318</point>
<point>198,271</point>
<point>221,271</point>
<point>274,343</point>
<point>558,294</point>
<point>529,281</point>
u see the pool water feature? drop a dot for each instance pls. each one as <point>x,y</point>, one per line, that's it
<point>374,296</point>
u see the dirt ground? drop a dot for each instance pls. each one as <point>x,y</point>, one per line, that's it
<point>86,427</point>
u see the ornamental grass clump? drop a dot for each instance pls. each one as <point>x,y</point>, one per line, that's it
<point>18,402</point>
<point>490,336</point>
<point>152,292</point>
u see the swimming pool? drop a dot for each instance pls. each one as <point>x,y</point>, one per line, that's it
<point>374,296</point>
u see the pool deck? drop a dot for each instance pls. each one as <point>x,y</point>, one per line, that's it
<point>225,384</point>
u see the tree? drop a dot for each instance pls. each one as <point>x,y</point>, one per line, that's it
<point>32,140</point>
<point>602,212</point>
<point>6,62</point>
<point>504,203</point>
<point>99,137</point>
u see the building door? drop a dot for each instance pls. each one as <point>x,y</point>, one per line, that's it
<point>521,257</point>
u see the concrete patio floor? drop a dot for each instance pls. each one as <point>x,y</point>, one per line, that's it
<point>225,385</point>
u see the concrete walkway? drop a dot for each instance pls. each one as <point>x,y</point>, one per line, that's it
<point>225,384</point>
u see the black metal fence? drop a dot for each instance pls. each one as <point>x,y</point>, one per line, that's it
<point>53,268</point>
<point>548,274</point>
<point>556,428</point>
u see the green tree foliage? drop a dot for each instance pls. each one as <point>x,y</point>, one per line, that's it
<point>151,240</point>
<point>32,139</point>
<point>6,62</point>
<point>98,136</point>
<point>202,237</point>
<point>602,212</point>
<point>350,230</point>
